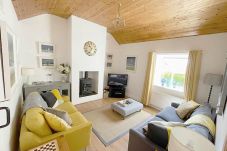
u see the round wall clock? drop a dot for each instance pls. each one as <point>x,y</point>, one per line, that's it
<point>90,48</point>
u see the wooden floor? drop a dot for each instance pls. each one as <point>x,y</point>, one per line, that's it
<point>96,144</point>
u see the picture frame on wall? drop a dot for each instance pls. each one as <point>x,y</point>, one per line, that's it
<point>109,57</point>
<point>8,61</point>
<point>46,48</point>
<point>47,62</point>
<point>109,64</point>
<point>131,63</point>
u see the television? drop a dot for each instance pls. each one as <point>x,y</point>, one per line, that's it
<point>222,100</point>
<point>117,79</point>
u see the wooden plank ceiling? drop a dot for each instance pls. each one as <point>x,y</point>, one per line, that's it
<point>145,20</point>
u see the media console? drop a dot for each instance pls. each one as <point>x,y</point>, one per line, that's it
<point>117,84</point>
<point>117,91</point>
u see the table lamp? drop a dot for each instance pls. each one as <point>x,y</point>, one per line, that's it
<point>212,80</point>
<point>28,72</point>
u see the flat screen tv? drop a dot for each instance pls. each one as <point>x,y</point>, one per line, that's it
<point>117,79</point>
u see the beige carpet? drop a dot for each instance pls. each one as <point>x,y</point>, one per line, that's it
<point>109,126</point>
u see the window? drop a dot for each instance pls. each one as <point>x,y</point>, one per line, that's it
<point>170,71</point>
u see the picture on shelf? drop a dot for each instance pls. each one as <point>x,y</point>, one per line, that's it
<point>46,48</point>
<point>131,63</point>
<point>108,64</point>
<point>109,57</point>
<point>47,62</point>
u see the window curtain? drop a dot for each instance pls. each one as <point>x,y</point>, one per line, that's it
<point>147,90</point>
<point>192,74</point>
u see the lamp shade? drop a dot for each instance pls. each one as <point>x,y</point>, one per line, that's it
<point>213,79</point>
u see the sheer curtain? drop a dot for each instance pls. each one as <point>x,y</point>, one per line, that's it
<point>147,90</point>
<point>192,74</point>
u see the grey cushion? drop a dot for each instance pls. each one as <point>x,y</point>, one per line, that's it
<point>33,100</point>
<point>203,109</point>
<point>49,98</point>
<point>61,114</point>
<point>169,114</point>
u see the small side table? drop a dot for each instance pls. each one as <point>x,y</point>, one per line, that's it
<point>184,139</point>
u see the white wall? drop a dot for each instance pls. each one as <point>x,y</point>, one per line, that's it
<point>82,31</point>
<point>9,135</point>
<point>221,131</point>
<point>213,46</point>
<point>43,28</point>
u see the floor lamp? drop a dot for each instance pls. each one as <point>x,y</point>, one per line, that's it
<point>212,80</point>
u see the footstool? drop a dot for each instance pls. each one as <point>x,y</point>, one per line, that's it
<point>126,109</point>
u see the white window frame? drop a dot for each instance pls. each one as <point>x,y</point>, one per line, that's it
<point>157,88</point>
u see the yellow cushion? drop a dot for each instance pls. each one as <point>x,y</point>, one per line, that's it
<point>186,108</point>
<point>36,123</point>
<point>57,94</point>
<point>67,107</point>
<point>56,123</point>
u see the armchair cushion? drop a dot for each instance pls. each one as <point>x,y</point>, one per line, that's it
<point>36,123</point>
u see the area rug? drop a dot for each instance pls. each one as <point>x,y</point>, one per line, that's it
<point>109,126</point>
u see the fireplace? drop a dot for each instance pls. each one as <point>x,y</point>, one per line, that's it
<point>88,83</point>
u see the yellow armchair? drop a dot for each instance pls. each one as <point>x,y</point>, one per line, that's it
<point>77,137</point>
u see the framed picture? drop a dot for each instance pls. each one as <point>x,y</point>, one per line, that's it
<point>131,63</point>
<point>8,61</point>
<point>109,57</point>
<point>109,64</point>
<point>46,48</point>
<point>46,62</point>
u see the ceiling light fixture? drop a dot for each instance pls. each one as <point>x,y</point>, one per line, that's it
<point>119,21</point>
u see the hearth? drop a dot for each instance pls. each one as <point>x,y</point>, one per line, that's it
<point>86,85</point>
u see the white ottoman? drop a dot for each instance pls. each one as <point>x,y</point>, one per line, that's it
<point>127,109</point>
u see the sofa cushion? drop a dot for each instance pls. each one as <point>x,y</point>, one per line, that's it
<point>57,94</point>
<point>36,123</point>
<point>158,134</point>
<point>56,123</point>
<point>203,109</point>
<point>49,98</point>
<point>61,114</point>
<point>68,107</point>
<point>186,108</point>
<point>169,114</point>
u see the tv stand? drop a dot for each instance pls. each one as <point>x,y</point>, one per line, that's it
<point>117,91</point>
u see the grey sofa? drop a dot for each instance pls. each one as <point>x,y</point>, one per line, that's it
<point>139,142</point>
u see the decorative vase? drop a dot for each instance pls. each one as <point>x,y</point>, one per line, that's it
<point>64,77</point>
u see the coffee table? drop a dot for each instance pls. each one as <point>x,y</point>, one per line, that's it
<point>127,109</point>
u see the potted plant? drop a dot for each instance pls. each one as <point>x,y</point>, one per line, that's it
<point>64,69</point>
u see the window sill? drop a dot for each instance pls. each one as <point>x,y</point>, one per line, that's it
<point>168,91</point>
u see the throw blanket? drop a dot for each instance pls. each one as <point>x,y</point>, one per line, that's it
<point>198,119</point>
<point>33,100</point>
<point>202,120</point>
